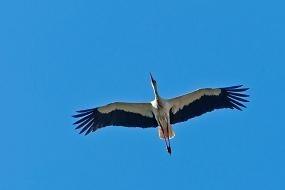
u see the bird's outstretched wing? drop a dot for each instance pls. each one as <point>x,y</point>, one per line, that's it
<point>205,100</point>
<point>117,114</point>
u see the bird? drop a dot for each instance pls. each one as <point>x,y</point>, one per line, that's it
<point>161,113</point>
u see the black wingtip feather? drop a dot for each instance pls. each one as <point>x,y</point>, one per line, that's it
<point>238,89</point>
<point>233,87</point>
<point>85,120</point>
<point>89,130</point>
<point>83,123</point>
<point>236,102</point>
<point>81,114</point>
<point>82,119</point>
<point>86,126</point>
<point>239,94</point>
<point>234,94</point>
<point>238,98</point>
<point>235,106</point>
<point>86,110</point>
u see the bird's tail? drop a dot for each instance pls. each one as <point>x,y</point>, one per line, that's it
<point>167,133</point>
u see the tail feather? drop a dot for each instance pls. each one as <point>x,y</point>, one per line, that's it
<point>167,133</point>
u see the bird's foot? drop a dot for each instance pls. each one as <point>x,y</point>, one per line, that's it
<point>169,150</point>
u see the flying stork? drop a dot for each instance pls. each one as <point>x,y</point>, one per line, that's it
<point>160,112</point>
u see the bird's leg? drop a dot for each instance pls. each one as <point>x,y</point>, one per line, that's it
<point>169,147</point>
<point>164,138</point>
<point>167,142</point>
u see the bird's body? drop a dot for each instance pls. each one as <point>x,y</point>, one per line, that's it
<point>161,108</point>
<point>160,112</point>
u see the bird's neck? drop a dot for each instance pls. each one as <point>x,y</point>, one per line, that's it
<point>157,97</point>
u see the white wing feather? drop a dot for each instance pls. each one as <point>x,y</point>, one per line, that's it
<point>144,109</point>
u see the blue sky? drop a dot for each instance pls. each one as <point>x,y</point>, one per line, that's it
<point>60,56</point>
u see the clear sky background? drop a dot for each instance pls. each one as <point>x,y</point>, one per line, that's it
<point>60,56</point>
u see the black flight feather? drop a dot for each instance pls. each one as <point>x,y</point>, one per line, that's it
<point>230,97</point>
<point>91,119</point>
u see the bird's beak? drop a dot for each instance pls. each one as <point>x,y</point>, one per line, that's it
<point>152,80</point>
